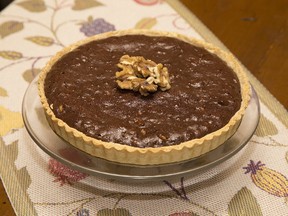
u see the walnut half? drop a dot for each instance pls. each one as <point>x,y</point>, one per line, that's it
<point>141,75</point>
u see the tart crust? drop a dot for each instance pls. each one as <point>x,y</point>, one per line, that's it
<point>147,156</point>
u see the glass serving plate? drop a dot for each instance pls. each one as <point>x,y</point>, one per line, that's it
<point>39,130</point>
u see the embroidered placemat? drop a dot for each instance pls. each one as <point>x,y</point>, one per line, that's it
<point>253,182</point>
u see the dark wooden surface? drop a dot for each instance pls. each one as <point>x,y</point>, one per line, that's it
<point>257,34</point>
<point>5,205</point>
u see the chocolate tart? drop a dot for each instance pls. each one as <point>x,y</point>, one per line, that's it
<point>203,108</point>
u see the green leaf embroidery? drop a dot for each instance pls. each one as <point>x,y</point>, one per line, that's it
<point>30,74</point>
<point>90,19</point>
<point>10,27</point>
<point>11,55</point>
<point>244,203</point>
<point>33,5</point>
<point>3,92</point>
<point>82,5</point>
<point>10,153</point>
<point>114,212</point>
<point>41,40</point>
<point>9,120</point>
<point>266,127</point>
<point>146,23</point>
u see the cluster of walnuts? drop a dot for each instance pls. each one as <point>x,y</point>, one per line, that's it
<point>141,75</point>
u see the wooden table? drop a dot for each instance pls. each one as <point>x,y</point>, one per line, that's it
<point>255,31</point>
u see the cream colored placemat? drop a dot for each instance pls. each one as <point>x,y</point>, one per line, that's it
<point>254,182</point>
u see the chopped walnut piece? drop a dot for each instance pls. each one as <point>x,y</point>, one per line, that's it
<point>61,108</point>
<point>141,75</point>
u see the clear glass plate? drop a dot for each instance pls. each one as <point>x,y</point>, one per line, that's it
<point>39,130</point>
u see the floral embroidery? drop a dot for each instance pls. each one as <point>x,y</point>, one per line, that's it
<point>96,26</point>
<point>180,192</point>
<point>267,179</point>
<point>64,174</point>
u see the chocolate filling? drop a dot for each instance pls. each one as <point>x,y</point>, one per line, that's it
<point>204,95</point>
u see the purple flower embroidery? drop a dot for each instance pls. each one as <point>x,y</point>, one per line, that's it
<point>63,173</point>
<point>96,26</point>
